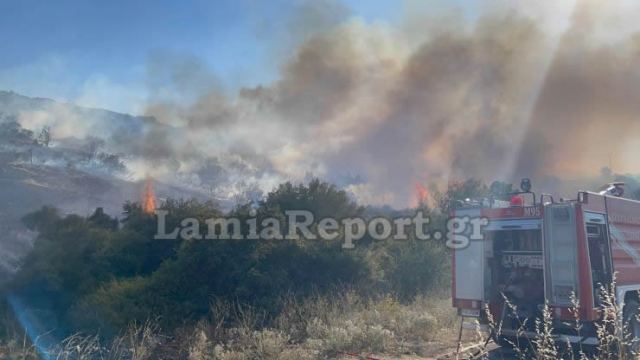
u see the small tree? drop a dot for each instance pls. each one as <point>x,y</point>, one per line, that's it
<point>44,138</point>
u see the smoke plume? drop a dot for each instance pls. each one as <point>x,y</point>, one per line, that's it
<point>378,107</point>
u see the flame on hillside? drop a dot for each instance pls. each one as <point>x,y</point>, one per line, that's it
<point>422,194</point>
<point>148,198</point>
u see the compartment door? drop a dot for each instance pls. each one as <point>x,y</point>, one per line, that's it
<point>561,253</point>
<point>469,267</point>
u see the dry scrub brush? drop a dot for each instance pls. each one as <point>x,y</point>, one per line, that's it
<point>615,340</point>
<point>318,327</point>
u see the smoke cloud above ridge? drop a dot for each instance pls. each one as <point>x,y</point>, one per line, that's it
<point>378,107</point>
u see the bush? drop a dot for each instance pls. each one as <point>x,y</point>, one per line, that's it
<point>98,276</point>
<point>417,268</point>
<point>256,274</point>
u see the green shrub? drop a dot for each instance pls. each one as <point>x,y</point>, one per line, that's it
<point>99,277</point>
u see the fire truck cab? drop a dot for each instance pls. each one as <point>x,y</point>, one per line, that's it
<point>538,251</point>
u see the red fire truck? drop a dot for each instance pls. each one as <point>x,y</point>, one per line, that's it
<point>538,250</point>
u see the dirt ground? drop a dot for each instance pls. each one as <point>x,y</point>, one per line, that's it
<point>472,347</point>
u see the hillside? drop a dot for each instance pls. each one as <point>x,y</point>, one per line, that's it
<point>73,175</point>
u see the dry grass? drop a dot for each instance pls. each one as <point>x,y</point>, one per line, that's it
<point>18,350</point>
<point>17,345</point>
<point>614,339</point>
<point>320,327</point>
<point>326,327</point>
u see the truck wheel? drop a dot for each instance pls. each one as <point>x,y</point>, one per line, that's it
<point>631,328</point>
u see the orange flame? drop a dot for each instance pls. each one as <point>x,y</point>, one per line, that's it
<point>149,198</point>
<point>422,193</point>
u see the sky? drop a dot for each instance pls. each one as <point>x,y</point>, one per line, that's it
<point>98,53</point>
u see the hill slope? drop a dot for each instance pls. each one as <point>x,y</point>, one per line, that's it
<point>75,175</point>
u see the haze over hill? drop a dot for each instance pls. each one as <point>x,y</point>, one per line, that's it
<point>73,174</point>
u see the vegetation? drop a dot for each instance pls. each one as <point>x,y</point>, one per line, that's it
<point>100,276</point>
<point>103,288</point>
<point>22,145</point>
<point>614,333</point>
<point>317,327</point>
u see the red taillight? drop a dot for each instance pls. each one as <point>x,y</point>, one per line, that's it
<point>516,200</point>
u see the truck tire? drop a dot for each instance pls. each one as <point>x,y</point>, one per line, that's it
<point>631,328</point>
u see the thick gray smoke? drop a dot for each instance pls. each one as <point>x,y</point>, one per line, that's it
<point>588,111</point>
<point>378,108</point>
